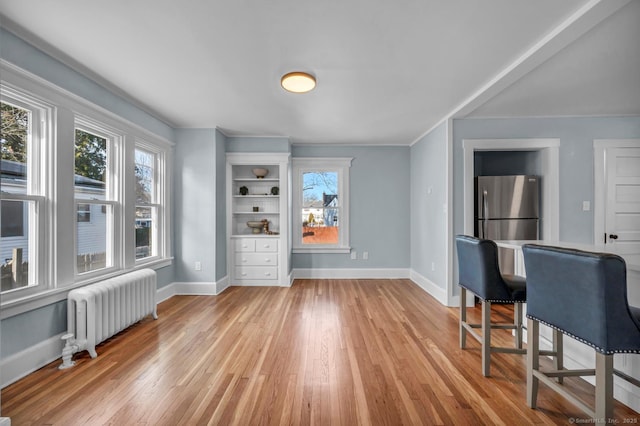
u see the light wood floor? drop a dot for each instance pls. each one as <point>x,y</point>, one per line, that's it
<point>321,352</point>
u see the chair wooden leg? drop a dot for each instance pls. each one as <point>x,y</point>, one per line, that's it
<point>533,361</point>
<point>517,322</point>
<point>604,387</point>
<point>486,338</point>
<point>558,348</point>
<point>463,317</point>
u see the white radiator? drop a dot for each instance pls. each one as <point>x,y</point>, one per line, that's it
<point>98,311</point>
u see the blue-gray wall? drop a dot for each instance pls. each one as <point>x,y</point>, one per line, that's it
<point>576,160</point>
<point>428,199</point>
<point>221,210</point>
<point>379,214</point>
<point>195,204</point>
<point>29,328</point>
<point>258,144</point>
<point>20,53</point>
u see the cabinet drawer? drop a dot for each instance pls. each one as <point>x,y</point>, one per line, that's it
<point>256,273</point>
<point>245,244</point>
<point>267,245</point>
<point>256,259</point>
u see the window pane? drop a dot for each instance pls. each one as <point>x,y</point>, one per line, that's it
<point>14,135</point>
<point>320,208</point>
<point>14,244</point>
<point>13,220</point>
<point>92,238</point>
<point>319,189</point>
<point>84,212</point>
<point>90,165</point>
<point>144,176</point>
<point>144,232</point>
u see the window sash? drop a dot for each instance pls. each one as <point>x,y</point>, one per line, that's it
<point>340,166</point>
<point>55,114</point>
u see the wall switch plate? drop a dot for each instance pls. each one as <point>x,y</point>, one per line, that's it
<point>433,266</point>
<point>198,266</point>
<point>365,255</point>
<point>586,206</point>
<point>354,255</point>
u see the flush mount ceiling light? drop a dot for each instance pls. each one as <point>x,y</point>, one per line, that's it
<point>298,82</point>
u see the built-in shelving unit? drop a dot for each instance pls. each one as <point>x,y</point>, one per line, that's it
<point>258,256</point>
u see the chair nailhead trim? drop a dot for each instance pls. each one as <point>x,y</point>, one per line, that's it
<point>496,300</point>
<point>615,351</point>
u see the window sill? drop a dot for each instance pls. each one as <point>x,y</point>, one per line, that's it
<point>18,306</point>
<point>336,250</point>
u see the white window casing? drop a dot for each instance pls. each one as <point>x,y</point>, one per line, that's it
<point>51,198</point>
<point>341,166</point>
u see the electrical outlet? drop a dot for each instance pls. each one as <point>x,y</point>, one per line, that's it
<point>586,206</point>
<point>198,266</point>
<point>433,266</point>
<point>365,255</point>
<point>354,255</point>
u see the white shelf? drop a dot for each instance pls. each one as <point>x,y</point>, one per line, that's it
<point>256,196</point>
<point>273,208</point>
<point>256,213</point>
<point>239,179</point>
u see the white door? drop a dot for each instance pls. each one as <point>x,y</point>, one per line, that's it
<point>622,207</point>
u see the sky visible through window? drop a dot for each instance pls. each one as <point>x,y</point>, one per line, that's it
<point>317,183</point>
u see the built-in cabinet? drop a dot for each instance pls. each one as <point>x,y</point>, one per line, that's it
<point>258,218</point>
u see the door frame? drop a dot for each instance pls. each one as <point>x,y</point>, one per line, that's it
<point>550,165</point>
<point>600,147</point>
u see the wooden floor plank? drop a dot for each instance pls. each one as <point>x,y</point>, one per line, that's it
<point>328,352</point>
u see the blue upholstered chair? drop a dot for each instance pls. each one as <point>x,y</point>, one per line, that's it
<point>583,295</point>
<point>479,273</point>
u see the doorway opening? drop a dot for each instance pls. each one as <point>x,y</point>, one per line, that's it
<point>515,156</point>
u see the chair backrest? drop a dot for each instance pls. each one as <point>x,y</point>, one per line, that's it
<point>478,269</point>
<point>583,294</point>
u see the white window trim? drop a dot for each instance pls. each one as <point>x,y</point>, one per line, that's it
<point>112,197</point>
<point>39,147</point>
<point>62,108</point>
<point>161,196</point>
<point>311,164</point>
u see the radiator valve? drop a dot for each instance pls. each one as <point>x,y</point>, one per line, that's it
<point>67,352</point>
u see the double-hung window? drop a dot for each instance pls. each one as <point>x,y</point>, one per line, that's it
<point>24,146</point>
<point>96,197</point>
<point>321,205</point>
<point>83,196</point>
<point>150,215</point>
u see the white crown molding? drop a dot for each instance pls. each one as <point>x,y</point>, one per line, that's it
<point>574,27</point>
<point>13,75</point>
<point>76,66</point>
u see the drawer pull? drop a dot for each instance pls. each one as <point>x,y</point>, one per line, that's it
<point>267,246</point>
<point>267,274</point>
<point>244,274</point>
<point>267,260</point>
<point>244,260</point>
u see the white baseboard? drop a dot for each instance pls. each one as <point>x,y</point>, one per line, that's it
<point>439,293</point>
<point>192,288</point>
<point>349,273</point>
<point>19,365</point>
<point>25,362</point>
<point>578,356</point>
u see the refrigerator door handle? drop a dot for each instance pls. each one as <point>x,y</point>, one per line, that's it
<point>485,214</point>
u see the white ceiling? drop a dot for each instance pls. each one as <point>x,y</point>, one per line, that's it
<point>387,71</point>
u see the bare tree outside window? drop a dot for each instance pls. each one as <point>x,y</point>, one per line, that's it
<point>320,207</point>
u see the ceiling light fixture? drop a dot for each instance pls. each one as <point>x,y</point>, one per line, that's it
<point>298,82</point>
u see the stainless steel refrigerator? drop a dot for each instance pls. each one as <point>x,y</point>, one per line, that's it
<point>507,208</point>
